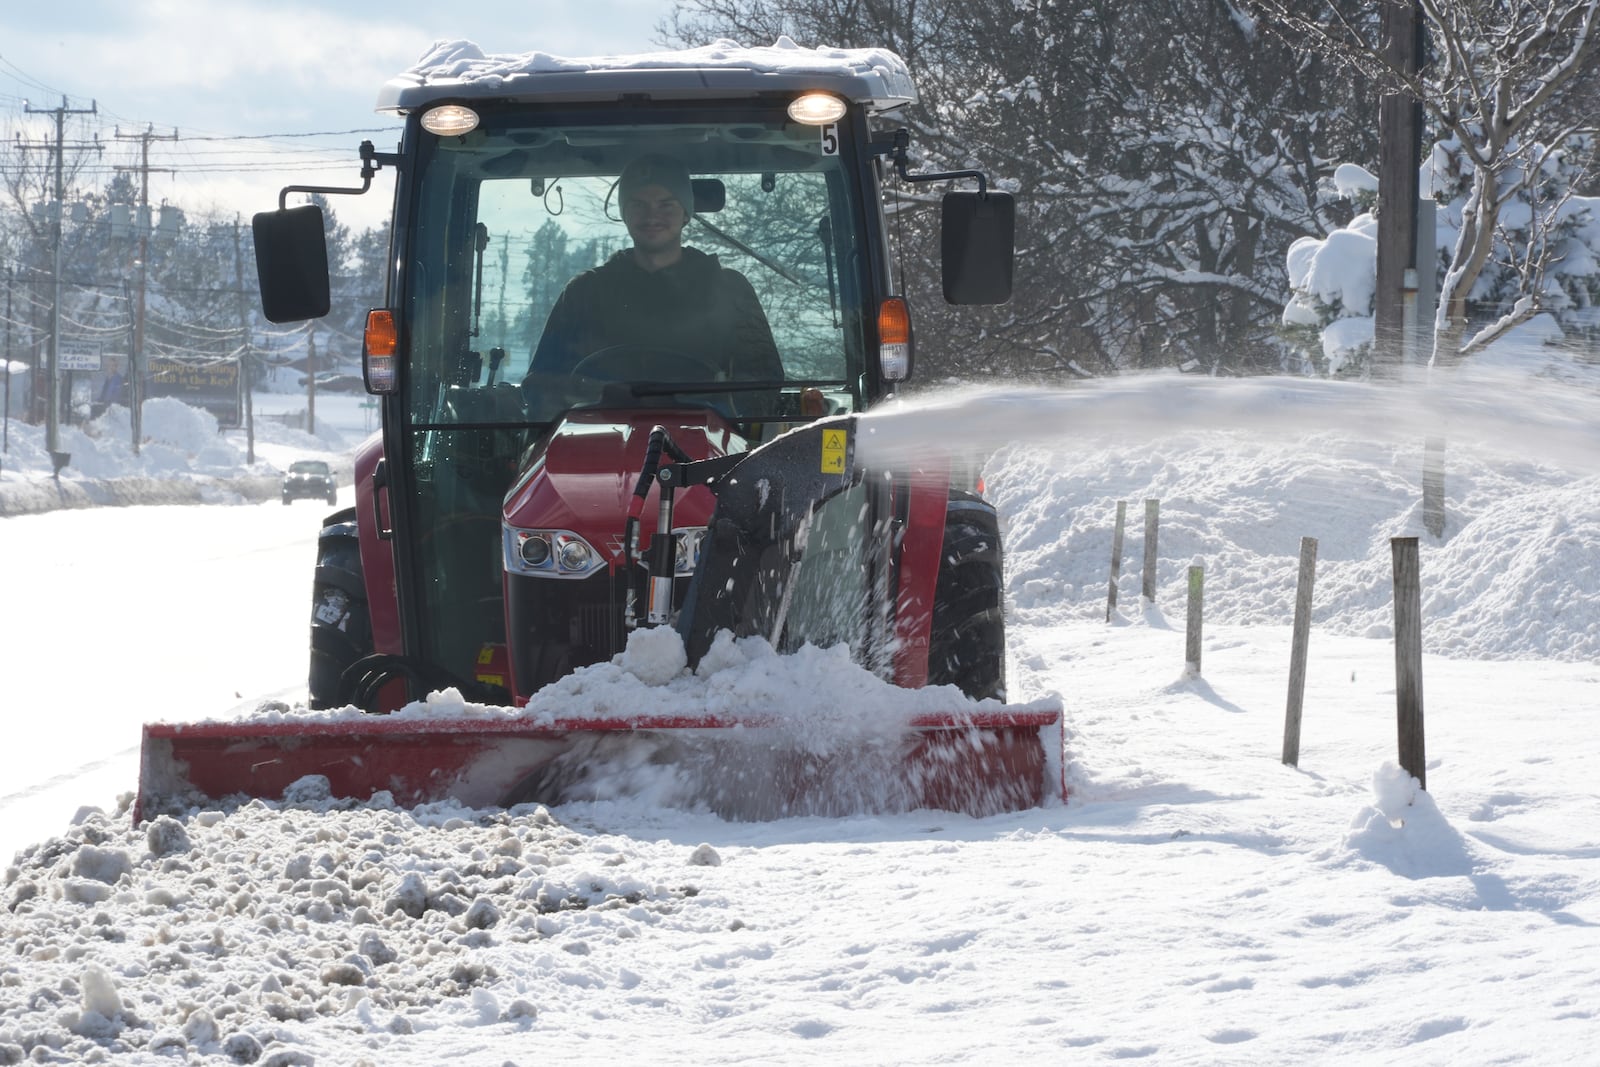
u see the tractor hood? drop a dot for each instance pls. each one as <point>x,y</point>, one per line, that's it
<point>581,477</point>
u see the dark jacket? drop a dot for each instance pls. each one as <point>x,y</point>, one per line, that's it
<point>696,306</point>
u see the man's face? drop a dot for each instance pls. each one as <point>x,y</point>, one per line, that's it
<point>654,217</point>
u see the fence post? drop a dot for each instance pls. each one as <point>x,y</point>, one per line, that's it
<point>1433,486</point>
<point>1297,650</point>
<point>1152,510</point>
<point>1116,557</point>
<point>1196,606</point>
<point>1408,657</point>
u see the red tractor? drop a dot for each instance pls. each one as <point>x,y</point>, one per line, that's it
<point>513,526</point>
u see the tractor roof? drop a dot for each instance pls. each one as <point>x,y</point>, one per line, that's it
<point>460,70</point>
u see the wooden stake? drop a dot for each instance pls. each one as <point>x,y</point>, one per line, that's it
<point>1297,651</point>
<point>1116,557</point>
<point>1152,511</point>
<point>1197,580</point>
<point>1433,486</point>
<point>1408,657</point>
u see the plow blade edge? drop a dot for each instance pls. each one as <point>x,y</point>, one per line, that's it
<point>742,768</point>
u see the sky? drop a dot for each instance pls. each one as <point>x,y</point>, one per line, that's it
<point>224,74</point>
<point>1194,901</point>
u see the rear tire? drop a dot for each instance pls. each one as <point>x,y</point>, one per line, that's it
<point>341,628</point>
<point>967,646</point>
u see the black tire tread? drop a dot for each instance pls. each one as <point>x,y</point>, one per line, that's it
<point>335,647</point>
<point>967,646</point>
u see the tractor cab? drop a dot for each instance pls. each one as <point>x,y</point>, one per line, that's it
<point>544,483</point>
<point>504,469</point>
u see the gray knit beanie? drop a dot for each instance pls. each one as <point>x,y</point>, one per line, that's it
<point>664,171</point>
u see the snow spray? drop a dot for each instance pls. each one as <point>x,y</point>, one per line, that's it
<point>1533,418</point>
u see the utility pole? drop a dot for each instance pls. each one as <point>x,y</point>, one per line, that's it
<point>311,379</point>
<point>246,360</point>
<point>52,420</point>
<point>10,277</point>
<point>136,357</point>
<point>1399,159</point>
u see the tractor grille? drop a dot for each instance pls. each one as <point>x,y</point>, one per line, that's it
<point>558,626</point>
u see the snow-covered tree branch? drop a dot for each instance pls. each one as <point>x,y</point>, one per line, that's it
<point>1499,91</point>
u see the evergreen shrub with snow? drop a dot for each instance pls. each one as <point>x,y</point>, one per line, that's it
<point>1547,247</point>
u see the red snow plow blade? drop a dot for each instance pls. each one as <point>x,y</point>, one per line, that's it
<point>979,763</point>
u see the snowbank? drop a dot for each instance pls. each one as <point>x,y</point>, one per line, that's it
<point>183,457</point>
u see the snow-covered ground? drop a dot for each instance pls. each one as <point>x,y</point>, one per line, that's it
<point>1196,900</point>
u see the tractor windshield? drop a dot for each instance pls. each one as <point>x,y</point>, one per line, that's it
<point>498,223</point>
<point>508,215</point>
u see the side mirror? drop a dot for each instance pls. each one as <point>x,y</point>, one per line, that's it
<point>709,195</point>
<point>977,238</point>
<point>292,263</point>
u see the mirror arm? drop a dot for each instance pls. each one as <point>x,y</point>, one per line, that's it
<point>897,151</point>
<point>372,161</point>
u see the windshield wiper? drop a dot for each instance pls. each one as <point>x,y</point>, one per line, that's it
<point>825,232</point>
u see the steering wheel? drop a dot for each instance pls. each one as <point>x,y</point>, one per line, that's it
<point>654,364</point>
<point>643,363</point>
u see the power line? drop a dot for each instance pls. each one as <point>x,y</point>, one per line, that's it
<point>27,79</point>
<point>286,136</point>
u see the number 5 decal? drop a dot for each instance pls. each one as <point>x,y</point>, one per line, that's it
<point>830,139</point>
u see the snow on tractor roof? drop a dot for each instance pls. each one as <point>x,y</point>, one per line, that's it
<point>458,70</point>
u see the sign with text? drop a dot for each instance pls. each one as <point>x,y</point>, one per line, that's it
<point>78,355</point>
<point>213,386</point>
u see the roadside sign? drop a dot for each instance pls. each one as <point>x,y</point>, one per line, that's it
<point>78,355</point>
<point>213,385</point>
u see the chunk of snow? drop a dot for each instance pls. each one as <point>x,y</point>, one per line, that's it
<point>1350,179</point>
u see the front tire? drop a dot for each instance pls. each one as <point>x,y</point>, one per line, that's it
<point>967,647</point>
<point>341,626</point>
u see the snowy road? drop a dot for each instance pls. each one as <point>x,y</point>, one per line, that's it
<point>115,616</point>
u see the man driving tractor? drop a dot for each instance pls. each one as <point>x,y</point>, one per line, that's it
<point>664,301</point>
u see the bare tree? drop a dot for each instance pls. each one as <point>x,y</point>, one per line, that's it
<point>1501,89</point>
<point>1164,155</point>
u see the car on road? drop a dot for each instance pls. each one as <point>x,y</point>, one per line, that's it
<point>310,479</point>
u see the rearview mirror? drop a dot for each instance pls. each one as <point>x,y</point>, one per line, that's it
<point>291,263</point>
<point>709,195</point>
<point>977,238</point>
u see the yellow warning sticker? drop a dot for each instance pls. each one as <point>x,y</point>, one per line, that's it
<point>833,446</point>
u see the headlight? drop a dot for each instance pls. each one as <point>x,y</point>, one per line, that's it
<point>549,553</point>
<point>574,554</point>
<point>535,549</point>
<point>450,120</point>
<point>816,109</point>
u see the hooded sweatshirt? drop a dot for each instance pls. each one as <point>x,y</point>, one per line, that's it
<point>696,306</point>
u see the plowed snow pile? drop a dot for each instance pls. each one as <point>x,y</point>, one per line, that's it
<point>231,932</point>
